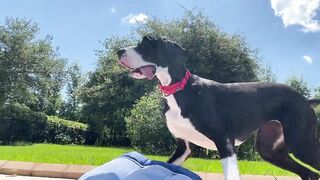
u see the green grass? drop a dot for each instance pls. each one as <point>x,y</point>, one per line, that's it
<point>47,153</point>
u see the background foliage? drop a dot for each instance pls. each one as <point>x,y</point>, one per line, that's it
<point>20,123</point>
<point>146,126</point>
<point>31,70</point>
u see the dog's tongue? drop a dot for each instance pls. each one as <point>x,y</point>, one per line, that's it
<point>148,71</point>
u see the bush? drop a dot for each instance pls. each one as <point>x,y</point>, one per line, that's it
<point>61,131</point>
<point>146,128</point>
<point>247,150</point>
<point>15,123</point>
<point>19,123</point>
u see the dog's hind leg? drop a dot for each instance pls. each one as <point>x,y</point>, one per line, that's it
<point>303,141</point>
<point>309,153</point>
<point>181,153</point>
<point>272,148</point>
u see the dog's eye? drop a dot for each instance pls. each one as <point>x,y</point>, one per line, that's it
<point>149,58</point>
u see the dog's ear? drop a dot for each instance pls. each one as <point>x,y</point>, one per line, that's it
<point>148,38</point>
<point>149,41</point>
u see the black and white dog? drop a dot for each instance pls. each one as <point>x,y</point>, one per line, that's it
<point>220,116</point>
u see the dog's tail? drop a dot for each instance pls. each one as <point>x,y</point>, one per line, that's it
<point>314,102</point>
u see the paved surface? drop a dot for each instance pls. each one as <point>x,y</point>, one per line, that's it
<point>210,176</point>
<point>15,170</point>
<point>13,177</point>
<point>43,169</point>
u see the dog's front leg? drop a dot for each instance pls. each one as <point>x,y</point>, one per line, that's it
<point>226,150</point>
<point>181,153</point>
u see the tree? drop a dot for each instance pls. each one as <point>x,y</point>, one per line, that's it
<point>211,53</point>
<point>299,85</point>
<point>108,96</point>
<point>265,74</point>
<point>31,70</point>
<point>317,92</point>
<point>74,78</point>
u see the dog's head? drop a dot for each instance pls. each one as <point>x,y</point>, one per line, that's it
<point>154,57</point>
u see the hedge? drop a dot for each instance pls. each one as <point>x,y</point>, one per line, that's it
<point>146,127</point>
<point>19,123</point>
<point>61,131</point>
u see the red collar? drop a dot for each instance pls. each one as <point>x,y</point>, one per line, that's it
<point>171,89</point>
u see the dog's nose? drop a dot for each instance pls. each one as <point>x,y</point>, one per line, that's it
<point>120,53</point>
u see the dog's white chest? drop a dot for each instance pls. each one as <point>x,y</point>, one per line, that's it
<point>182,128</point>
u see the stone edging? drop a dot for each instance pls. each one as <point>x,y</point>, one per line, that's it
<point>43,169</point>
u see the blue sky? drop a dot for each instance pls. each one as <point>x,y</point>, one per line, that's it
<point>286,32</point>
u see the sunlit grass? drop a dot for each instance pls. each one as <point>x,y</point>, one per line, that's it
<point>88,155</point>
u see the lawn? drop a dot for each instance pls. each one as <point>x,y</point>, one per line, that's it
<point>99,155</point>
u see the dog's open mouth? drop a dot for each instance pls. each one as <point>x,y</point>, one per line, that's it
<point>137,70</point>
<point>125,65</point>
<point>147,71</point>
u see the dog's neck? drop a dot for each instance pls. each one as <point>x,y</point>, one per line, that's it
<point>168,76</point>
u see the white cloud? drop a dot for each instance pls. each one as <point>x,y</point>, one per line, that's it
<point>113,10</point>
<point>307,59</point>
<point>135,18</point>
<point>298,12</point>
